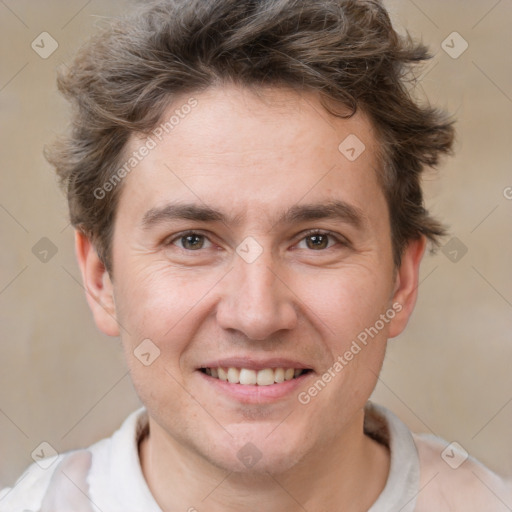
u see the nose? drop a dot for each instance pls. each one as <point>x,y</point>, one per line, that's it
<point>256,300</point>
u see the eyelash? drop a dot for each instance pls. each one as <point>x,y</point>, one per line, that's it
<point>312,232</point>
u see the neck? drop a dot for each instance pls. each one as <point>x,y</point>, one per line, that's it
<point>347,473</point>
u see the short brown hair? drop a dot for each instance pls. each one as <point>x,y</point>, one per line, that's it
<point>346,50</point>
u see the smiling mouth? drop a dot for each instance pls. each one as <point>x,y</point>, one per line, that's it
<point>247,377</point>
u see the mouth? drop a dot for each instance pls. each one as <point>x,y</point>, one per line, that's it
<point>250,377</point>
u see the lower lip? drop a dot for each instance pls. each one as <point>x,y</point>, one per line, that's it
<point>252,394</point>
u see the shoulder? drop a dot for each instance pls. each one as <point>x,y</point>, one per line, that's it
<point>55,483</point>
<point>35,489</point>
<point>450,479</point>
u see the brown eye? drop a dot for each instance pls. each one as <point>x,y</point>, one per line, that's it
<point>317,242</point>
<point>192,242</point>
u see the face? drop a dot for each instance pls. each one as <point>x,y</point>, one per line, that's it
<point>247,240</point>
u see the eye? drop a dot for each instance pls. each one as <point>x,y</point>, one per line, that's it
<point>191,241</point>
<point>319,240</point>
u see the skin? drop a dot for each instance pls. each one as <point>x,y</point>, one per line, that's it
<point>253,157</point>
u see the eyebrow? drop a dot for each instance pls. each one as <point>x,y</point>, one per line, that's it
<point>335,210</point>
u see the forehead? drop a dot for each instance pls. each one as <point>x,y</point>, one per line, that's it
<point>261,150</point>
<point>226,120</point>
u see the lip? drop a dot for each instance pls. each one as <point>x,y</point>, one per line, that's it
<point>256,364</point>
<point>254,394</point>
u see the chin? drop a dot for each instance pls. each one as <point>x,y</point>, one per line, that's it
<point>258,454</point>
<point>273,464</point>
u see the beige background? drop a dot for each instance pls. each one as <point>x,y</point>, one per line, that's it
<point>63,382</point>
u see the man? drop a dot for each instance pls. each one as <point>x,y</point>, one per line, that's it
<point>244,179</point>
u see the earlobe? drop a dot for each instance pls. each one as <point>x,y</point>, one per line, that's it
<point>406,284</point>
<point>98,285</point>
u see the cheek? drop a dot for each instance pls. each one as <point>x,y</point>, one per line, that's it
<point>153,297</point>
<point>158,307</point>
<point>344,302</point>
<point>164,304</point>
<point>346,307</point>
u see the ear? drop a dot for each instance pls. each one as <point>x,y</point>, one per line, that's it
<point>406,284</point>
<point>98,286</point>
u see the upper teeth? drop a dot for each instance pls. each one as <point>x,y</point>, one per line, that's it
<point>264,377</point>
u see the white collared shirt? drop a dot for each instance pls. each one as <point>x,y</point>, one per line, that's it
<point>107,477</point>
